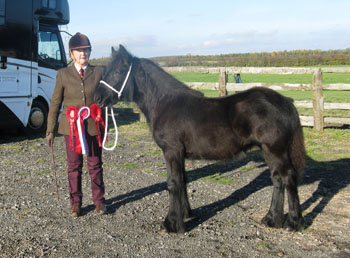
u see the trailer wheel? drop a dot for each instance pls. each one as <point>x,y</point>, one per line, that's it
<point>37,121</point>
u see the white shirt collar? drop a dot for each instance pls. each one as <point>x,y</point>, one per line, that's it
<point>78,67</point>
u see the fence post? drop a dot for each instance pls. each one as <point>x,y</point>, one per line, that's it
<point>222,83</point>
<point>317,100</point>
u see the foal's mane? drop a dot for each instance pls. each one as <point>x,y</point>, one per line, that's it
<point>162,83</point>
<point>165,81</point>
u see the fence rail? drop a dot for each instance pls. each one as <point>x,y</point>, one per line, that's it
<point>318,120</point>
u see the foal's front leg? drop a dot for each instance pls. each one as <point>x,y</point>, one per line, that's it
<point>179,206</point>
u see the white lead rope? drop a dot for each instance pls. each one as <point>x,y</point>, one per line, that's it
<point>119,93</point>
<point>106,128</point>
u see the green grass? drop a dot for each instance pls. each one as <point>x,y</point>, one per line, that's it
<point>328,78</point>
<point>330,144</point>
<point>249,168</point>
<point>329,96</point>
<point>44,172</point>
<point>327,112</point>
<point>130,165</point>
<point>8,162</point>
<point>220,179</point>
<point>24,173</point>
<point>196,77</point>
<point>15,149</point>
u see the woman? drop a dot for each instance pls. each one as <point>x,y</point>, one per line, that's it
<point>75,86</point>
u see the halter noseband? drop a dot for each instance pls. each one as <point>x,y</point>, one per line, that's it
<point>119,93</point>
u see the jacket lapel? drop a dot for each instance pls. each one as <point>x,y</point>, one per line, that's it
<point>88,72</point>
<point>73,71</point>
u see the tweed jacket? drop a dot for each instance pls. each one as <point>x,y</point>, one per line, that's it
<point>71,90</point>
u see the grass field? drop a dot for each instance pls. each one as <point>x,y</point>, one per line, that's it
<point>330,96</point>
<point>328,78</point>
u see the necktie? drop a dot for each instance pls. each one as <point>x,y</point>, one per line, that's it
<point>81,73</point>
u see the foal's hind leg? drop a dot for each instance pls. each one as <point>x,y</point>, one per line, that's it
<point>179,207</point>
<point>274,217</point>
<point>295,220</point>
<point>283,176</point>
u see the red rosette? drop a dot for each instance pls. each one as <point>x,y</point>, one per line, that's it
<point>72,115</point>
<point>96,114</point>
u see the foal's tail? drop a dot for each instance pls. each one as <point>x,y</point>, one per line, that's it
<point>297,151</point>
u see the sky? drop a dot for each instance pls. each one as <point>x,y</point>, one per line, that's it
<point>152,28</point>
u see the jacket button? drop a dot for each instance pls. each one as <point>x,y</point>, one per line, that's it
<point>82,84</point>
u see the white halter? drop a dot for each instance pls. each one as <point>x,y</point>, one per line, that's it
<point>119,93</point>
<point>123,86</point>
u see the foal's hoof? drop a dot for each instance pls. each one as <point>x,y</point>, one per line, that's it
<point>188,214</point>
<point>173,226</point>
<point>269,221</point>
<point>295,224</point>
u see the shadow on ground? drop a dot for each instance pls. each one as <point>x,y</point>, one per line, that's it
<point>330,176</point>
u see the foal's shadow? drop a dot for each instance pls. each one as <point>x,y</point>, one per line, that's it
<point>331,175</point>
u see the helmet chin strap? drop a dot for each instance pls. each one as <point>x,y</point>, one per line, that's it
<point>119,93</point>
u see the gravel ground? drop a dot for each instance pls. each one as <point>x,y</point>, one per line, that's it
<point>226,220</point>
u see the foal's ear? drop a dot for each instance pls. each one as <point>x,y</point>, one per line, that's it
<point>113,51</point>
<point>122,49</point>
<point>123,53</point>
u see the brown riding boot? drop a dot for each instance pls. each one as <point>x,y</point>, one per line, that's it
<point>101,209</point>
<point>75,211</point>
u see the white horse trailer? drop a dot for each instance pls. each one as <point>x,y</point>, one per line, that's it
<point>31,52</point>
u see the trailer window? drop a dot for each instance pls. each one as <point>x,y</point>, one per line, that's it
<point>49,50</point>
<point>50,4</point>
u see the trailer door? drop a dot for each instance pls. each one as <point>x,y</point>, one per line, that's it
<point>16,45</point>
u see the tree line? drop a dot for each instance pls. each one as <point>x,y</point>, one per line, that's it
<point>261,59</point>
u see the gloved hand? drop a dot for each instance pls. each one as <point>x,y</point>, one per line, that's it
<point>50,137</point>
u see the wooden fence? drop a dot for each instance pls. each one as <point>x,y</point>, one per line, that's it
<point>318,120</point>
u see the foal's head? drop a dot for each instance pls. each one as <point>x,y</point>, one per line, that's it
<point>115,75</point>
